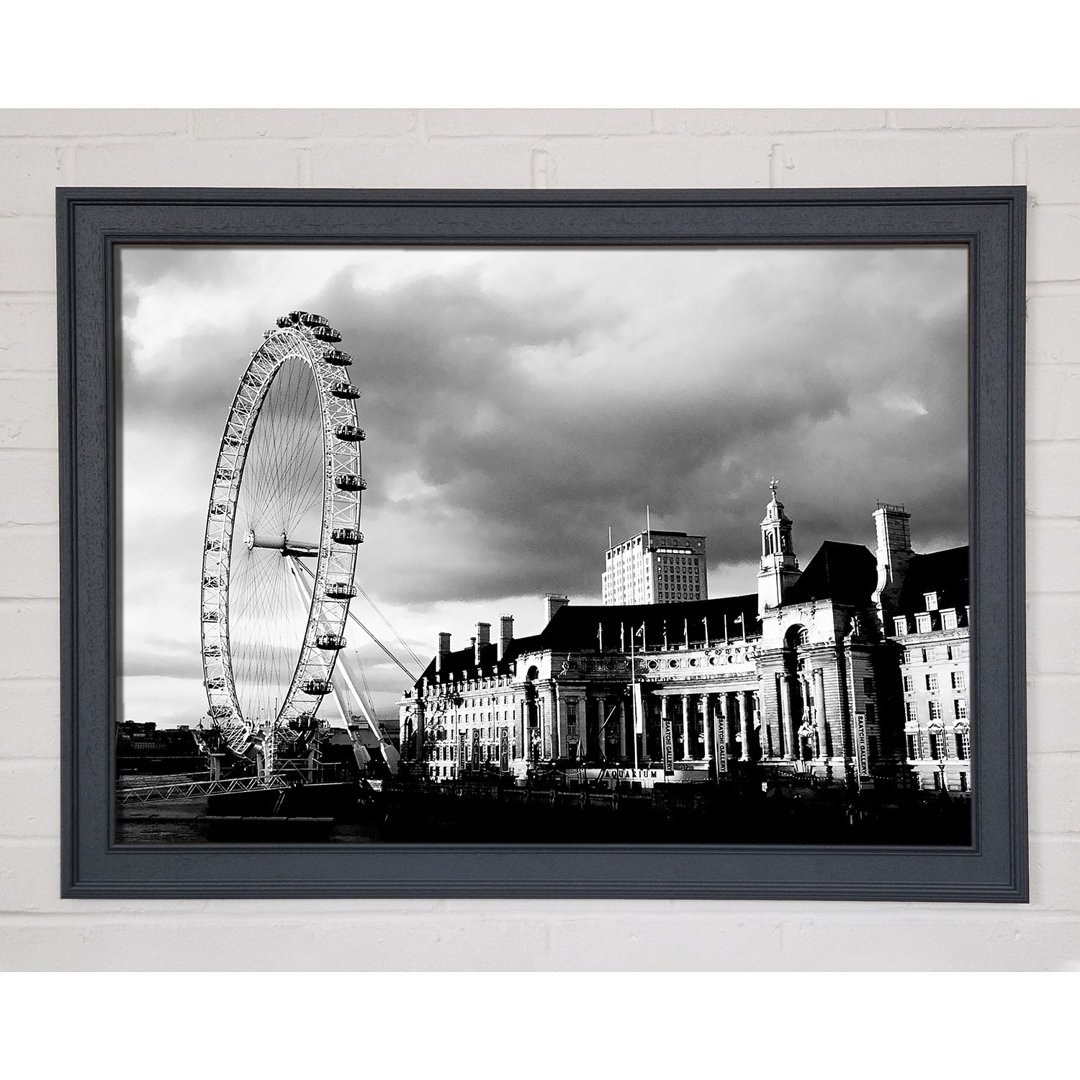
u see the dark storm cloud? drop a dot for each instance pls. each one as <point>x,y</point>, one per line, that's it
<point>852,387</point>
<point>520,403</point>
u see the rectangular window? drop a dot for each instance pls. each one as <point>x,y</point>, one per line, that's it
<point>935,745</point>
<point>913,747</point>
<point>871,712</point>
<point>959,682</point>
<point>909,711</point>
<point>960,709</point>
<point>909,683</point>
<point>948,619</point>
<point>963,781</point>
<point>961,744</point>
<point>930,599</point>
<point>922,624</point>
<point>931,682</point>
<point>900,626</point>
<point>868,686</point>
<point>935,710</point>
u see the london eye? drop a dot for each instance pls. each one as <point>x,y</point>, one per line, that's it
<point>280,548</point>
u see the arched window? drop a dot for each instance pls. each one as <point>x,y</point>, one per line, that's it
<point>962,736</point>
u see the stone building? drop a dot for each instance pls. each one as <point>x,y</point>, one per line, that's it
<point>811,675</point>
<point>931,626</point>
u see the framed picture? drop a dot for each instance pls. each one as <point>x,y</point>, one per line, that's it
<point>533,544</point>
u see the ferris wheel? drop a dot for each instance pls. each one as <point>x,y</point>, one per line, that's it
<point>282,532</point>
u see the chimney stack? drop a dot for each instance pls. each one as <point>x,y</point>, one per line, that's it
<point>506,635</point>
<point>483,637</point>
<point>444,652</point>
<point>893,526</point>
<point>552,603</point>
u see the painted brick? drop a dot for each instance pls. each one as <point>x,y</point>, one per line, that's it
<point>1053,556</point>
<point>890,161</point>
<point>655,162</point>
<point>27,255</point>
<point>29,876</point>
<point>1050,401</point>
<point>545,122</point>
<point>91,123</point>
<point>29,487</point>
<point>1051,708</point>
<point>1047,466</point>
<point>1053,159</point>
<point>1053,329</point>
<point>1054,867</point>
<point>30,718</point>
<point>330,943</point>
<point>28,413</point>
<point>29,805</point>
<point>29,562</point>
<point>640,941</point>
<point>483,163</point>
<point>28,336</point>
<point>302,123</point>
<point>1054,243</point>
<point>179,163</point>
<point>31,630</point>
<point>958,119</point>
<point>1053,624</point>
<point>1053,793</point>
<point>765,121</point>
<point>936,940</point>
<point>29,176</point>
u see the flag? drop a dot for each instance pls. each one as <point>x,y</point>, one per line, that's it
<point>738,619</point>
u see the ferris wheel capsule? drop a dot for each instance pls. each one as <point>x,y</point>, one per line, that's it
<point>344,390</point>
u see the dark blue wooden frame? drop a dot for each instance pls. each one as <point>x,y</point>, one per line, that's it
<point>91,223</point>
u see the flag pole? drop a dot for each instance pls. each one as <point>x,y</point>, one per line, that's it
<point>633,691</point>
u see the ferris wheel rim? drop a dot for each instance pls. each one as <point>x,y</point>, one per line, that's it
<point>308,339</point>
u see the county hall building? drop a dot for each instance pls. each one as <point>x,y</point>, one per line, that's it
<point>853,665</point>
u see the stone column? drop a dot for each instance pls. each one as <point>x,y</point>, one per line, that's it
<point>601,728</point>
<point>744,727</point>
<point>622,729</point>
<point>687,751</point>
<point>748,714</point>
<point>708,739</point>
<point>819,712</point>
<point>790,749</point>
<point>726,729</point>
<point>664,715</point>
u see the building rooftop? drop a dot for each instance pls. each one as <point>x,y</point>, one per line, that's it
<point>946,573</point>
<point>843,573</point>
<point>575,628</point>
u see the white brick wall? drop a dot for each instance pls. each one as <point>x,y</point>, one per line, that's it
<point>543,148</point>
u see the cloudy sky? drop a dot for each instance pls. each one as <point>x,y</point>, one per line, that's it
<point>519,402</point>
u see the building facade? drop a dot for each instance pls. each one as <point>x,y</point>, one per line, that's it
<point>824,671</point>
<point>655,568</point>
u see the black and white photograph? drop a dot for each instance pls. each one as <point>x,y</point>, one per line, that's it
<point>552,545</point>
